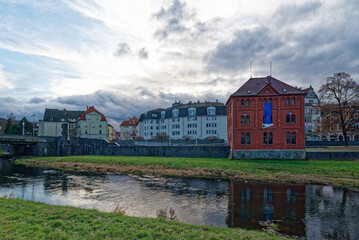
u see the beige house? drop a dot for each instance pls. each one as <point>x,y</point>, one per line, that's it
<point>112,136</point>
<point>92,124</point>
<point>58,123</point>
<point>129,129</point>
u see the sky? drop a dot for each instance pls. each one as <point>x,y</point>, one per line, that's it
<point>128,57</point>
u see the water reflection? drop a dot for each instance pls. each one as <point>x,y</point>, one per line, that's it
<point>313,212</point>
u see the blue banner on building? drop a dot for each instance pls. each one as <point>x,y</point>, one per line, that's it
<point>267,113</point>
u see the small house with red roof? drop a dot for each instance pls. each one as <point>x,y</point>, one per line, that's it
<point>129,129</point>
<point>266,120</point>
<point>92,124</point>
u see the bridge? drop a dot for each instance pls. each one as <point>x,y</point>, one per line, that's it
<point>20,140</point>
<point>20,145</point>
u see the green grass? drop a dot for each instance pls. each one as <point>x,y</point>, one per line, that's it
<point>344,173</point>
<point>1,152</point>
<point>30,220</point>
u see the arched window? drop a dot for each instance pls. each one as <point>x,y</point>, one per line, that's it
<point>247,103</point>
<point>270,100</point>
<point>293,101</point>
<point>247,120</point>
<point>294,138</point>
<point>287,119</point>
<point>243,138</point>
<point>265,101</point>
<point>270,141</point>
<point>293,119</point>
<point>242,102</point>
<point>287,101</point>
<point>248,139</point>
<point>265,138</point>
<point>242,120</point>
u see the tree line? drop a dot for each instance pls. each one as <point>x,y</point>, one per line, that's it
<point>16,127</point>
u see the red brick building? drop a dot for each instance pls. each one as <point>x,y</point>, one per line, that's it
<point>266,120</point>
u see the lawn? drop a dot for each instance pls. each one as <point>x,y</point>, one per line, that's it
<point>343,173</point>
<point>1,152</point>
<point>31,220</point>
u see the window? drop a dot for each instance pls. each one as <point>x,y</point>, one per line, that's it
<point>291,138</point>
<point>290,118</point>
<point>175,112</point>
<point>293,101</point>
<point>270,141</point>
<point>242,102</point>
<point>310,101</point>
<point>247,120</point>
<point>243,138</point>
<point>248,138</point>
<point>242,120</point>
<point>99,132</point>
<point>100,125</point>
<point>287,101</point>
<point>294,138</point>
<point>288,138</point>
<point>211,111</point>
<point>247,103</point>
<point>270,100</point>
<point>191,112</point>
<point>163,114</point>
<point>265,138</point>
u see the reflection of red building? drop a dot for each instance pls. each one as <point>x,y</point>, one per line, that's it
<point>266,120</point>
<point>248,204</point>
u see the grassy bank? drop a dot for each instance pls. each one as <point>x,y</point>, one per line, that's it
<point>30,220</point>
<point>1,152</point>
<point>340,173</point>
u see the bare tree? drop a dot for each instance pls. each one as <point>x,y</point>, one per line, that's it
<point>340,102</point>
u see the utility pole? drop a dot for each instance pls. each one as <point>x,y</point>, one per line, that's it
<point>33,124</point>
<point>23,128</point>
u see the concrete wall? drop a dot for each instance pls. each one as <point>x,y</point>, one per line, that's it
<point>268,154</point>
<point>332,155</point>
<point>80,146</point>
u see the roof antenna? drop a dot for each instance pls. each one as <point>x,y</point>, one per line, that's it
<point>250,69</point>
<point>270,67</point>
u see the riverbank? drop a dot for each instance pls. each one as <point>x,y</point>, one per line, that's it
<point>336,173</point>
<point>22,219</point>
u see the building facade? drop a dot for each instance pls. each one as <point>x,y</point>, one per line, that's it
<point>198,120</point>
<point>92,124</point>
<point>59,123</point>
<point>266,120</point>
<point>129,129</point>
<point>112,135</point>
<point>312,115</point>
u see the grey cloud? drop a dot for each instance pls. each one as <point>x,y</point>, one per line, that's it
<point>143,53</point>
<point>36,100</point>
<point>122,50</point>
<point>246,45</point>
<point>289,13</point>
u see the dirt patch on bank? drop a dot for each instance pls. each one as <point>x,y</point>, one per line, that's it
<point>194,172</point>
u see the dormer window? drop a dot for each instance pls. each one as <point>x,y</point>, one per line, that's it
<point>163,114</point>
<point>192,112</point>
<point>154,115</point>
<point>249,91</point>
<point>211,111</point>
<point>284,90</point>
<point>175,112</point>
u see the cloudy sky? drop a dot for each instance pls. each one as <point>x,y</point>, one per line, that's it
<point>126,57</point>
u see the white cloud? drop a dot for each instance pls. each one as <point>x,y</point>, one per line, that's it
<point>6,79</point>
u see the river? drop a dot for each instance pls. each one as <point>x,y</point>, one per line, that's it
<point>307,211</point>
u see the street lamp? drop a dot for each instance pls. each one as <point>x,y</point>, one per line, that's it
<point>23,128</point>
<point>33,124</point>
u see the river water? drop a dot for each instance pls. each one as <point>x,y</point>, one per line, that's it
<point>307,211</point>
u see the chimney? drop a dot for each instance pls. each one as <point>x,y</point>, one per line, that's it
<point>87,107</point>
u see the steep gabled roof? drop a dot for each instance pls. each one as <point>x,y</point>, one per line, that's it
<point>89,110</point>
<point>55,115</point>
<point>131,122</point>
<point>254,86</point>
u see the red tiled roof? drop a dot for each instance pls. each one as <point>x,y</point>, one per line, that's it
<point>254,85</point>
<point>89,110</point>
<point>131,122</point>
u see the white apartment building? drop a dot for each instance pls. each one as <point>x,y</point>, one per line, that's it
<point>312,115</point>
<point>197,120</point>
